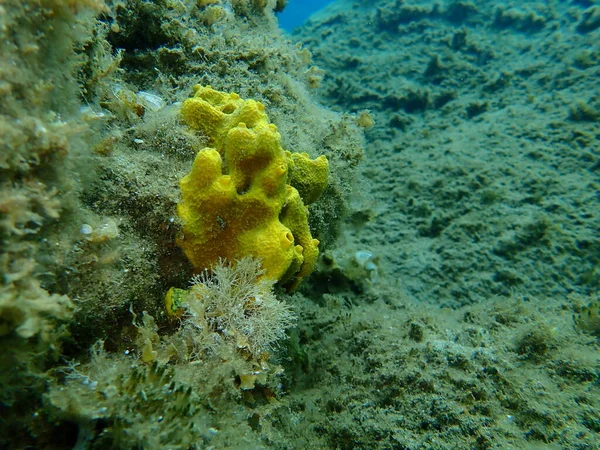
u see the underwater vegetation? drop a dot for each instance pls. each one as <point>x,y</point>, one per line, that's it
<point>379,232</point>
<point>93,148</point>
<point>163,393</point>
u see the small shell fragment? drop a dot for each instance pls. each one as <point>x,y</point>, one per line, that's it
<point>150,101</point>
<point>86,229</point>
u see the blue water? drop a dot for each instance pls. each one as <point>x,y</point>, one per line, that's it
<point>297,11</point>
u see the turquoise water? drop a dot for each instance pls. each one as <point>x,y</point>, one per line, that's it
<point>298,11</point>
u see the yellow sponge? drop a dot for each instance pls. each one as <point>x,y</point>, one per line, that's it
<point>236,200</point>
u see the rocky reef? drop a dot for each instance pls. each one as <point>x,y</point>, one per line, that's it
<point>93,148</point>
<point>454,300</point>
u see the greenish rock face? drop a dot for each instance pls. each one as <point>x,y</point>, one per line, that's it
<point>91,142</point>
<point>455,302</point>
<point>588,320</point>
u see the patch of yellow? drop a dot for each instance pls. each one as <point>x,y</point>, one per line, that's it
<point>236,200</point>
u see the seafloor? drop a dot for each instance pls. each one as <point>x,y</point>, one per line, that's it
<point>455,304</point>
